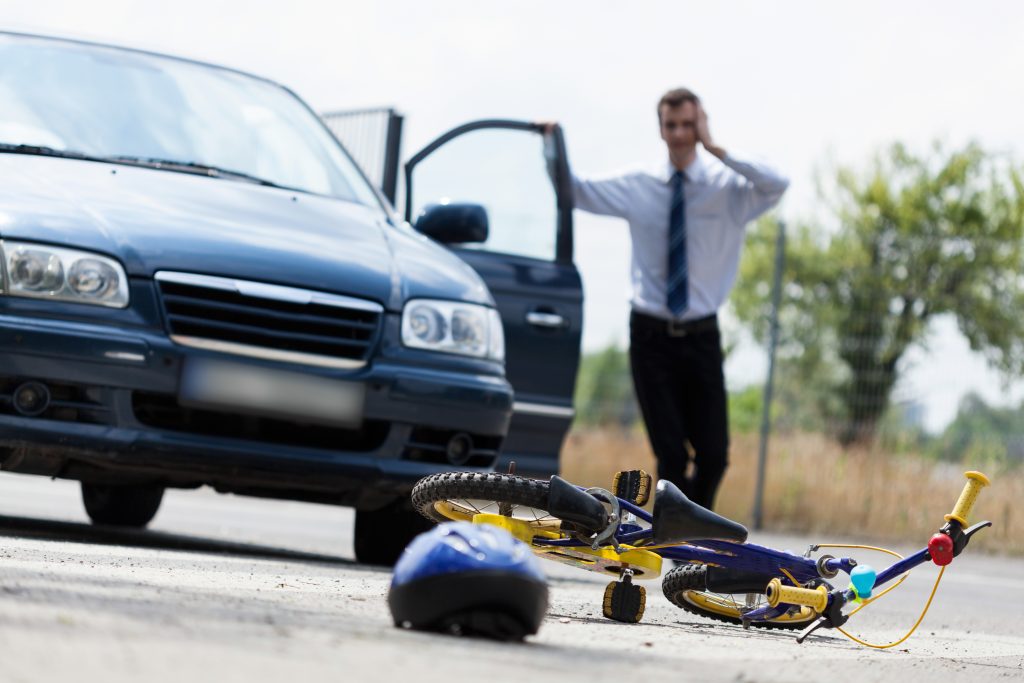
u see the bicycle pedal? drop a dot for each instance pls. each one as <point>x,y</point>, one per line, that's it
<point>624,602</point>
<point>632,485</point>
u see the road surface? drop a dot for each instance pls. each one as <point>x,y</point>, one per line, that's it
<point>235,589</point>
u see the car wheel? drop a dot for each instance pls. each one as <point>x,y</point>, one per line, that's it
<point>381,535</point>
<point>120,505</point>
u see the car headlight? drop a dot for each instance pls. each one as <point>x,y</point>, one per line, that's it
<point>453,327</point>
<point>39,271</point>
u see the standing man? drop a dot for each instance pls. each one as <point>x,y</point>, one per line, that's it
<point>687,220</point>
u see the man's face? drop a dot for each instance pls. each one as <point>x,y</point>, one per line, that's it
<point>679,127</point>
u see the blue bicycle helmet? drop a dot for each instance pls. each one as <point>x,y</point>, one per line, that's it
<point>471,579</point>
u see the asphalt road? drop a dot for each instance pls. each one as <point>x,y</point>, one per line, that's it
<point>227,588</point>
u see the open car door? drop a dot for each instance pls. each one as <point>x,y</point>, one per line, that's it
<point>526,259</point>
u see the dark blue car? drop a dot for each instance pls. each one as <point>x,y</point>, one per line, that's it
<point>199,287</point>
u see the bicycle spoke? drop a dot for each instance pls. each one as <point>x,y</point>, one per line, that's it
<point>524,513</point>
<point>467,505</point>
<point>537,518</point>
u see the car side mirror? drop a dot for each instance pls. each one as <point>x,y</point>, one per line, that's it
<point>454,223</point>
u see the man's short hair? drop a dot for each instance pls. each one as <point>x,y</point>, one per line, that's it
<point>675,97</point>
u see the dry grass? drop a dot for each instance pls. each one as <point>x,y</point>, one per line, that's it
<point>815,485</point>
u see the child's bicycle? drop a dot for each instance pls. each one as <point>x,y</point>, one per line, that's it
<point>719,575</point>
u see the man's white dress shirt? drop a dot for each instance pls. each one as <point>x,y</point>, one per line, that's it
<point>721,198</point>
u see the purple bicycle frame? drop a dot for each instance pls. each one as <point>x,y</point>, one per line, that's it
<point>747,557</point>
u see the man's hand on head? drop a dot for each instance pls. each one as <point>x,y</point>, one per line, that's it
<point>704,133</point>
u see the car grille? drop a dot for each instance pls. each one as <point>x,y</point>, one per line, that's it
<point>205,312</point>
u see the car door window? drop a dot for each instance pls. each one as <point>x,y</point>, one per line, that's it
<point>505,172</point>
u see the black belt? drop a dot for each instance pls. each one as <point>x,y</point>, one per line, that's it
<point>674,328</point>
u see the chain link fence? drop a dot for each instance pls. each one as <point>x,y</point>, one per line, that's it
<point>884,365</point>
<point>898,349</point>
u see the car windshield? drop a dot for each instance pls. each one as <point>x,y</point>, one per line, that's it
<point>106,102</point>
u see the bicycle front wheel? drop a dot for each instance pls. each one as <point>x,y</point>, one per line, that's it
<point>459,496</point>
<point>686,586</point>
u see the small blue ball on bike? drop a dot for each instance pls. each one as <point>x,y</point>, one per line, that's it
<point>862,578</point>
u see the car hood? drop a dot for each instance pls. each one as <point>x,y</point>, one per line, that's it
<point>154,220</point>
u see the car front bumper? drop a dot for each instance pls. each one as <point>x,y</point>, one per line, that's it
<point>114,417</point>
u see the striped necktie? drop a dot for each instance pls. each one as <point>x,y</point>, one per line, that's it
<point>678,292</point>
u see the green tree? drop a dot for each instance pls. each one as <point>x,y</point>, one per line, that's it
<point>604,389</point>
<point>982,433</point>
<point>605,397</point>
<point>745,408</point>
<point>918,236</point>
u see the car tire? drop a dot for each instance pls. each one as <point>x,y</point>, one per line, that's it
<point>120,505</point>
<point>381,535</point>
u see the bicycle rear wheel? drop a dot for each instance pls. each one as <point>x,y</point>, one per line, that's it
<point>461,495</point>
<point>686,587</point>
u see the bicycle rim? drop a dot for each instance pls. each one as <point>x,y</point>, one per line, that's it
<point>726,605</point>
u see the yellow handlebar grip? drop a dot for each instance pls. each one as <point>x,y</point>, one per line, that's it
<point>962,510</point>
<point>815,598</point>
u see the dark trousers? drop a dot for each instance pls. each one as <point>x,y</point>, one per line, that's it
<point>677,374</point>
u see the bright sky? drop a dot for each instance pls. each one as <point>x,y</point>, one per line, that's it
<point>795,83</point>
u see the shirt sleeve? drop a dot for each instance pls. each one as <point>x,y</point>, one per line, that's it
<point>756,188</point>
<point>606,196</point>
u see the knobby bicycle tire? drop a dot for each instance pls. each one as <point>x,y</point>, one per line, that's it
<point>492,488</point>
<point>686,587</point>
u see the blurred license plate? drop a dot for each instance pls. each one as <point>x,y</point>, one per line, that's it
<point>272,393</point>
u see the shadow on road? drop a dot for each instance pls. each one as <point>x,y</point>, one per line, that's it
<point>75,532</point>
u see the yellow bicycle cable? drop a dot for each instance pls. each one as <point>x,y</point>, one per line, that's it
<point>867,602</point>
<point>872,599</point>
<point>862,547</point>
<point>789,576</point>
<point>911,631</point>
<point>875,548</point>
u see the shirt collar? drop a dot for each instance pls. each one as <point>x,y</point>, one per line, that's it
<point>694,172</point>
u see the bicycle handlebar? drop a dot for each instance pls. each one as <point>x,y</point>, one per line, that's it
<point>962,510</point>
<point>942,548</point>
<point>815,598</point>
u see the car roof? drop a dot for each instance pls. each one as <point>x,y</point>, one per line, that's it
<point>150,53</point>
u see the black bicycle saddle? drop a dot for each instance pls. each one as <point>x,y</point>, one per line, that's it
<point>567,502</point>
<point>678,519</point>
